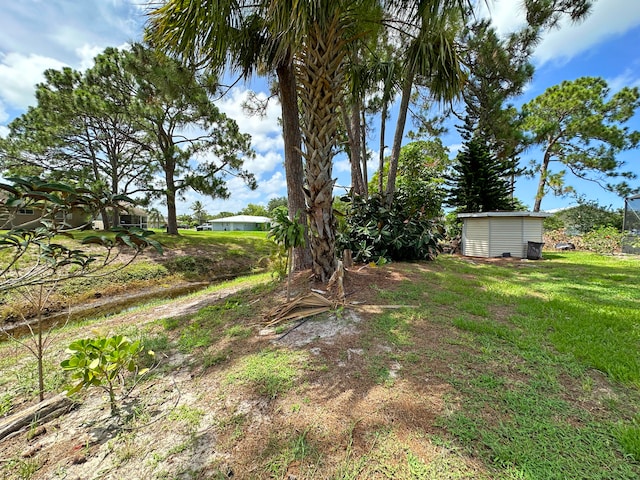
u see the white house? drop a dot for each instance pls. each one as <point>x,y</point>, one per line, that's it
<point>240,222</point>
<point>497,234</point>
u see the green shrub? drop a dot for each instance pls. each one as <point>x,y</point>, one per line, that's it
<point>605,240</point>
<point>375,231</point>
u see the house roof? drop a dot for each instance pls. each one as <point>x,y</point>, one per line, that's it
<point>241,219</point>
<point>503,214</point>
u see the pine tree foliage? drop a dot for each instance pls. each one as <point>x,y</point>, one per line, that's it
<point>478,180</point>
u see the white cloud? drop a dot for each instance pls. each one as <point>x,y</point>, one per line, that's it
<point>86,53</point>
<point>18,76</point>
<point>628,78</point>
<point>455,148</point>
<point>263,163</point>
<point>608,18</point>
<point>506,15</point>
<point>265,131</point>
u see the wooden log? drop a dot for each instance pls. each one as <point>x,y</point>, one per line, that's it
<point>41,412</point>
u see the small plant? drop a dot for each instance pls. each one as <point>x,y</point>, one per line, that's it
<point>6,404</point>
<point>104,362</point>
<point>288,234</point>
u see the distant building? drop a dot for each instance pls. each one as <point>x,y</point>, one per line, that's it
<point>239,223</point>
<point>130,217</point>
<point>31,217</point>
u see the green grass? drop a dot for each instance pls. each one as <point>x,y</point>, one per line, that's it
<point>531,338</point>
<point>269,373</point>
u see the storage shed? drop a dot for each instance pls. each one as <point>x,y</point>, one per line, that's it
<point>502,234</point>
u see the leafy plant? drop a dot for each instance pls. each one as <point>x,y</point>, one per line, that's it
<point>604,240</point>
<point>394,233</point>
<point>288,234</point>
<point>104,362</point>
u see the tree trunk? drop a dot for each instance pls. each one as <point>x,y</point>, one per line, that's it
<point>542,183</point>
<point>319,80</point>
<point>397,138</point>
<point>355,135</point>
<point>172,218</point>
<point>293,160</point>
<point>383,128</point>
<point>364,156</point>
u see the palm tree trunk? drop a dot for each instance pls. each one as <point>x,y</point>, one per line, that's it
<point>293,160</point>
<point>319,79</point>
<point>357,179</point>
<point>363,144</point>
<point>383,128</point>
<point>397,138</point>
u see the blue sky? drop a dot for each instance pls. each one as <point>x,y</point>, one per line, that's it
<point>38,34</point>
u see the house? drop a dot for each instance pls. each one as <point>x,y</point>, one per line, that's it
<point>131,217</point>
<point>502,234</point>
<point>31,217</point>
<point>240,223</point>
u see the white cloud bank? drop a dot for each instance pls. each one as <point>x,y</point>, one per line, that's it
<point>608,18</point>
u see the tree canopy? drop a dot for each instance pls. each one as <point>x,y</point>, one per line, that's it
<point>580,125</point>
<point>137,122</point>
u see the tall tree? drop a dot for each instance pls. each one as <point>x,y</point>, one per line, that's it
<point>171,101</point>
<point>431,54</point>
<point>477,181</point>
<point>80,129</point>
<point>580,125</point>
<point>199,212</point>
<point>236,34</point>
<point>499,69</point>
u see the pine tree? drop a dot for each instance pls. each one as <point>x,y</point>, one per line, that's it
<point>478,181</point>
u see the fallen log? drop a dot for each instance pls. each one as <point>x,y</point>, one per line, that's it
<point>36,414</point>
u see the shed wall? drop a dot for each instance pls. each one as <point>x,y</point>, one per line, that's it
<point>495,236</point>
<point>505,236</point>
<point>475,237</point>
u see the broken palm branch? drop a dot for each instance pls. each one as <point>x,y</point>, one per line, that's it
<point>304,305</point>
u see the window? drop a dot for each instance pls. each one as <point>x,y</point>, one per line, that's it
<point>25,211</point>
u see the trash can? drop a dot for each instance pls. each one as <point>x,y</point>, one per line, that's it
<point>534,250</point>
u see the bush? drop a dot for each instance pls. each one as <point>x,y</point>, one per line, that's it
<point>605,240</point>
<point>584,218</point>
<point>374,231</point>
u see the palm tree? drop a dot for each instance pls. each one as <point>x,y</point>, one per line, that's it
<point>236,34</point>
<point>432,54</point>
<point>156,219</point>
<point>316,35</point>
<point>199,212</point>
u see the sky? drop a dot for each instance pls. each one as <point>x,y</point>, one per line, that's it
<point>39,34</point>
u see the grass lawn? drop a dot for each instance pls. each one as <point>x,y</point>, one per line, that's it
<point>190,256</point>
<point>453,369</point>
